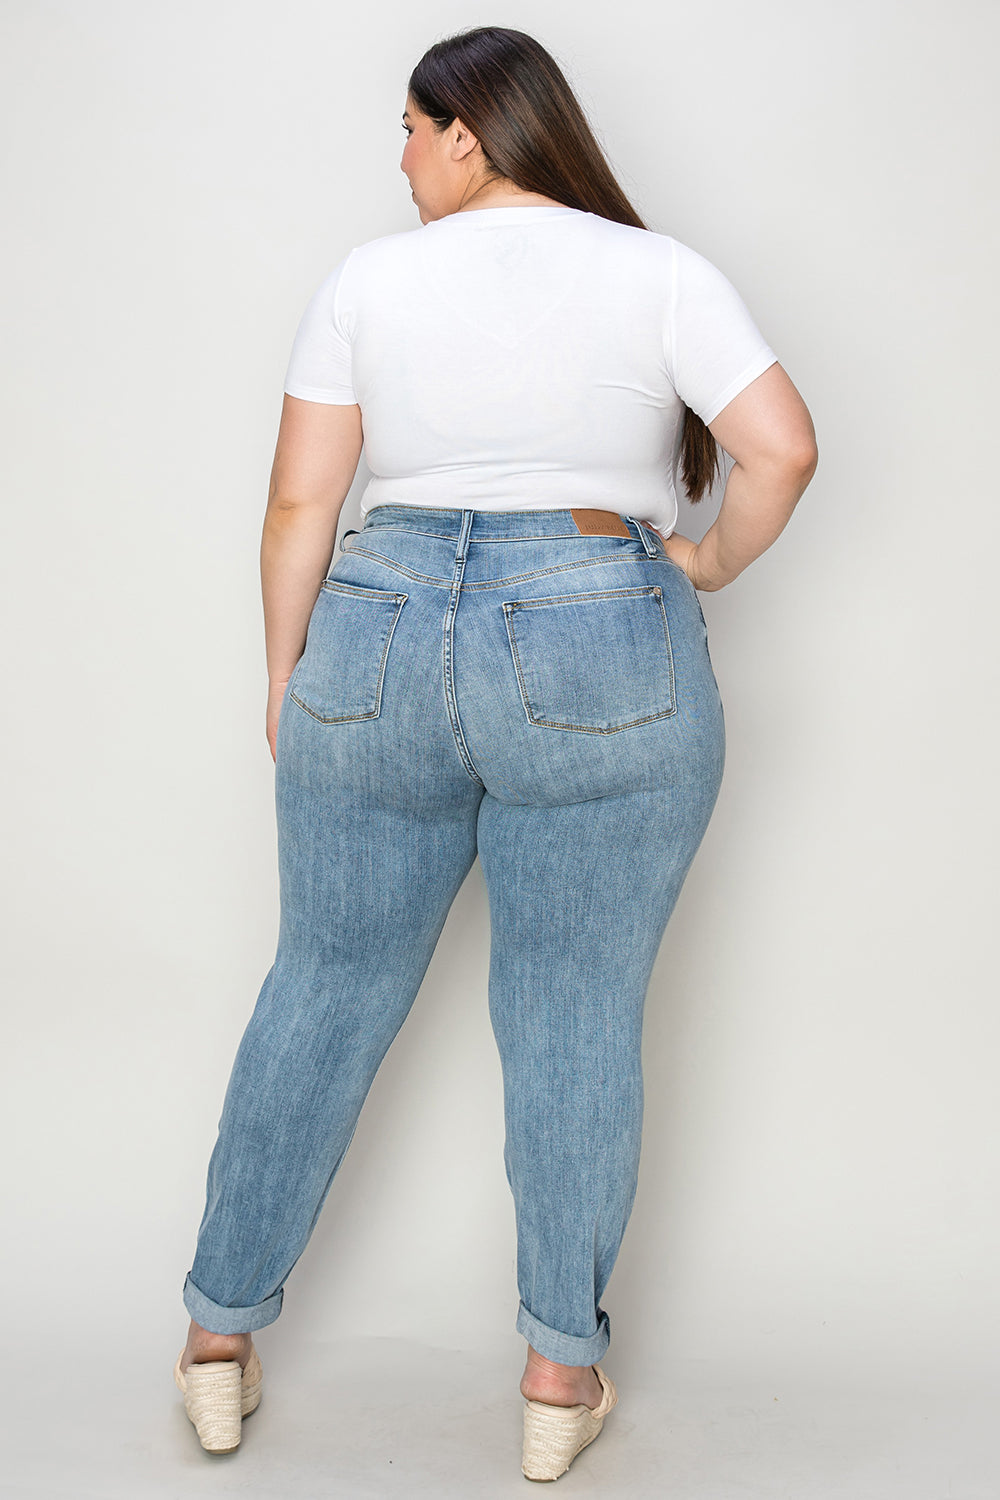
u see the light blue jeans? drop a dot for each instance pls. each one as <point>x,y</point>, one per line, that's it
<point>491,682</point>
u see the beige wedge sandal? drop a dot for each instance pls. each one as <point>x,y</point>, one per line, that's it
<point>218,1395</point>
<point>554,1435</point>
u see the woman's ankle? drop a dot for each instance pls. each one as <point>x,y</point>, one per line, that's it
<point>203,1345</point>
<point>561,1385</point>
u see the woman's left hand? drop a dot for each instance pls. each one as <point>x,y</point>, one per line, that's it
<point>682,551</point>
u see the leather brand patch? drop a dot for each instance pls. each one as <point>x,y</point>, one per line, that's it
<point>599,522</point>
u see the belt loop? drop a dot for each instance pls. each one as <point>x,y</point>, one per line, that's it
<point>644,537</point>
<point>468,516</point>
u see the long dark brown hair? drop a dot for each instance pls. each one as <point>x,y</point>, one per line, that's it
<point>513,96</point>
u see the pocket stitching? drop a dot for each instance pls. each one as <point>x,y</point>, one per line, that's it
<point>335,586</point>
<point>363,591</point>
<point>509,605</point>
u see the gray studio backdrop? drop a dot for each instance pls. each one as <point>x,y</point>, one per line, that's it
<point>818,1182</point>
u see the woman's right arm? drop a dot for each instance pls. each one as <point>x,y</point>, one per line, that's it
<point>769,434</point>
<point>315,461</point>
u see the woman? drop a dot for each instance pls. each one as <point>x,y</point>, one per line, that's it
<point>509,659</point>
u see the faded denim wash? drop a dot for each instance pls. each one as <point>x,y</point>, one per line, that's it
<point>491,682</point>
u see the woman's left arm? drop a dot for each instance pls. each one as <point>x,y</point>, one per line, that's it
<point>768,432</point>
<point>315,461</point>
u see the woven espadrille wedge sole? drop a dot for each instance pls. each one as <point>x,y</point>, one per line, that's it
<point>217,1396</point>
<point>554,1435</point>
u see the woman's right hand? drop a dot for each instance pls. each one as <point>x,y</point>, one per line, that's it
<point>275,697</point>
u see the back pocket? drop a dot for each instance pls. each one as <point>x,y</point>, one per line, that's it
<point>340,675</point>
<point>598,662</point>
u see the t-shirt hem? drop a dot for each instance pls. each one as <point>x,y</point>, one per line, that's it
<point>762,361</point>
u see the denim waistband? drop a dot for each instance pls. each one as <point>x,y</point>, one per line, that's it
<point>497,525</point>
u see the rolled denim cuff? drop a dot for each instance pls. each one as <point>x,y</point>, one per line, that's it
<point>565,1348</point>
<point>219,1319</point>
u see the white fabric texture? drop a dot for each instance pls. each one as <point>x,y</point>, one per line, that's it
<point>520,358</point>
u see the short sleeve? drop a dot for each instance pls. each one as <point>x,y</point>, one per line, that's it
<point>713,346</point>
<point>319,368</point>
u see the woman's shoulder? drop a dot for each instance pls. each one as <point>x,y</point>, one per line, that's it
<point>613,250</point>
<point>408,241</point>
<point>368,256</point>
<point>630,252</point>
<point>385,248</point>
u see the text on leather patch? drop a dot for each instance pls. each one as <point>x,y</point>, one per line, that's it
<point>599,523</point>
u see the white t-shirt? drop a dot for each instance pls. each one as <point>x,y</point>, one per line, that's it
<point>521,358</point>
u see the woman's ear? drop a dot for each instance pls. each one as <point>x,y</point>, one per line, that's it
<point>462,141</point>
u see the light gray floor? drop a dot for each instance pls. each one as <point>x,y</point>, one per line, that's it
<point>381,1417</point>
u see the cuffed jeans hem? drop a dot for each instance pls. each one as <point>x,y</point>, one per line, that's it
<point>564,1348</point>
<point>218,1319</point>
